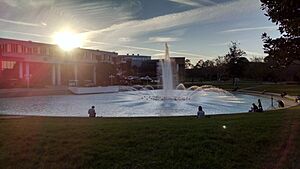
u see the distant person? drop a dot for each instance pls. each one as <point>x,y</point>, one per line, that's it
<point>200,112</point>
<point>92,112</point>
<point>272,102</point>
<point>297,99</point>
<point>280,103</point>
<point>260,108</point>
<point>254,108</point>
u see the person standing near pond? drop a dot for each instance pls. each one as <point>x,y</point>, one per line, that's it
<point>92,112</point>
<point>260,108</point>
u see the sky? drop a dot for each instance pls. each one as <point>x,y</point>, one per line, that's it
<point>195,29</point>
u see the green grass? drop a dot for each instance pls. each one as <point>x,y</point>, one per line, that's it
<point>291,89</point>
<point>248,142</point>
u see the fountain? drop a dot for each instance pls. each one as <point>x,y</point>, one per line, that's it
<point>167,74</point>
<point>168,92</point>
<point>137,101</point>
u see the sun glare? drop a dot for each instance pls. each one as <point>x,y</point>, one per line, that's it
<point>67,40</point>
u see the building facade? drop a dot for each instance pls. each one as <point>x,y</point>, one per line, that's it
<point>32,64</point>
<point>135,60</point>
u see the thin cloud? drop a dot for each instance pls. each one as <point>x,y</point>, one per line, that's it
<point>186,2</point>
<point>194,3</point>
<point>164,22</point>
<point>219,44</point>
<point>163,39</point>
<point>32,3</point>
<point>249,29</point>
<point>25,33</point>
<point>126,39</point>
<point>20,23</point>
<point>225,43</point>
<point>145,49</point>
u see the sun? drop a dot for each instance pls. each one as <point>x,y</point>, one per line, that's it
<point>67,40</point>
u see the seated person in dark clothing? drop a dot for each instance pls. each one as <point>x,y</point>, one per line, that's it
<point>92,112</point>
<point>280,103</point>
<point>254,108</point>
<point>297,99</point>
<point>200,112</point>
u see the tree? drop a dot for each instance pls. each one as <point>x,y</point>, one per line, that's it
<point>188,64</point>
<point>284,50</point>
<point>199,64</point>
<point>220,67</point>
<point>236,64</point>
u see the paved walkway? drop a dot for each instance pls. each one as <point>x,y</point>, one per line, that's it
<point>23,92</point>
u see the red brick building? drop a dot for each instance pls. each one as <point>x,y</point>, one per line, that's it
<point>26,63</point>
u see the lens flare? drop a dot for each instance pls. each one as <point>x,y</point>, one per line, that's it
<point>67,40</point>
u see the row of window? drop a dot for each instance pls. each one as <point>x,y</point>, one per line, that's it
<point>17,48</point>
<point>46,51</point>
<point>7,64</point>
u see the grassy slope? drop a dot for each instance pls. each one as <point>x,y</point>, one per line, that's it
<point>279,88</point>
<point>293,90</point>
<point>185,142</point>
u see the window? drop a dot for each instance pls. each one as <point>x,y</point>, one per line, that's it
<point>8,64</point>
<point>29,50</point>
<point>23,49</point>
<point>14,48</point>
<point>19,49</point>
<point>35,51</point>
<point>8,48</point>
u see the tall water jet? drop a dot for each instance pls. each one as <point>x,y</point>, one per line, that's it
<point>167,75</point>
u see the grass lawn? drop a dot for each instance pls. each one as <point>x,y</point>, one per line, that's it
<point>291,89</point>
<point>250,141</point>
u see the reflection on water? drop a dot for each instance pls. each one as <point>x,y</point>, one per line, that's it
<point>129,104</point>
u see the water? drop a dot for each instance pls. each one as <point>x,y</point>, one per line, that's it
<point>167,74</point>
<point>129,104</point>
<point>138,101</point>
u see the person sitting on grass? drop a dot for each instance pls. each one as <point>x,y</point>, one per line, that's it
<point>92,112</point>
<point>254,108</point>
<point>297,99</point>
<point>280,103</point>
<point>200,112</point>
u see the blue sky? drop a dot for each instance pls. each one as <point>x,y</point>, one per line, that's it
<point>196,29</point>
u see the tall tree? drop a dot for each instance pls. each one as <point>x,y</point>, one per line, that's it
<point>188,64</point>
<point>236,63</point>
<point>199,64</point>
<point>284,50</point>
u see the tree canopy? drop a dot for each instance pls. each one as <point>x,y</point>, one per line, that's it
<point>235,61</point>
<point>284,50</point>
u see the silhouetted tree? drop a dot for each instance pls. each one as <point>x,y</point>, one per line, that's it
<point>236,64</point>
<point>199,64</point>
<point>220,64</point>
<point>188,64</point>
<point>285,50</point>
